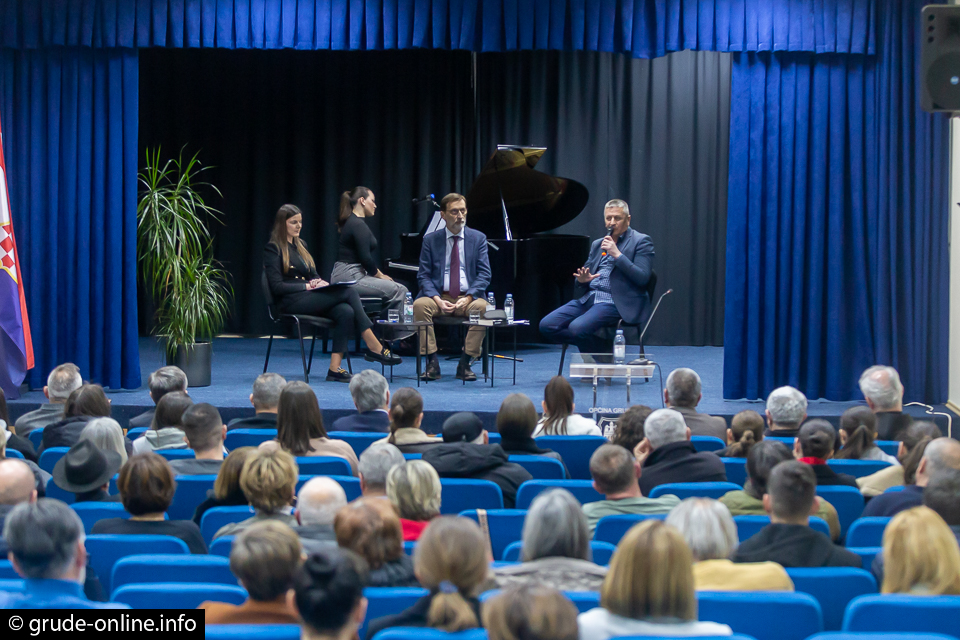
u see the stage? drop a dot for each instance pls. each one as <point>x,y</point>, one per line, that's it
<point>238,361</point>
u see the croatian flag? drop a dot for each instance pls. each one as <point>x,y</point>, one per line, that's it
<point>16,348</point>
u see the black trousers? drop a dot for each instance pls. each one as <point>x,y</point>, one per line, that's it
<point>340,304</point>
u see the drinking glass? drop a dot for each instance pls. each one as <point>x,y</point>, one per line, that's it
<point>474,315</point>
<point>393,315</point>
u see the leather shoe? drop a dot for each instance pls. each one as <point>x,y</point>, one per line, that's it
<point>339,375</point>
<point>432,371</point>
<point>465,373</point>
<point>384,357</point>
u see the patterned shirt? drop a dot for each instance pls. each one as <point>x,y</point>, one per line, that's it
<point>600,286</point>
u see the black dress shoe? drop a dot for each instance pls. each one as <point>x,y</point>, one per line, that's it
<point>340,375</point>
<point>432,372</point>
<point>465,373</point>
<point>384,357</point>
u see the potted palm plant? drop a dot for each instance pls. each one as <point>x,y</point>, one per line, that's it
<point>191,291</point>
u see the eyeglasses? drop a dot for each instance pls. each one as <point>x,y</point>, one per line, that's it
<point>460,213</point>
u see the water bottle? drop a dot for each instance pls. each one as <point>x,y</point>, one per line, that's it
<point>491,301</point>
<point>408,308</point>
<point>619,348</point>
<point>508,307</point>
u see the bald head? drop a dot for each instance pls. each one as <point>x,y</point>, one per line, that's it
<point>942,454</point>
<point>319,500</point>
<point>17,483</point>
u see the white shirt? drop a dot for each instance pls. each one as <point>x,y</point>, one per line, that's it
<point>577,425</point>
<point>600,624</point>
<point>446,264</point>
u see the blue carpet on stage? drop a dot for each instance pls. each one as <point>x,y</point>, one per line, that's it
<point>238,361</point>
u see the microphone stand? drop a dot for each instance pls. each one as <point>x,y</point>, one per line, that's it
<point>643,360</point>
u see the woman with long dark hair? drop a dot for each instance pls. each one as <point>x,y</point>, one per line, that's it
<point>298,288</point>
<point>355,261</point>
<point>558,416</point>
<point>858,434</point>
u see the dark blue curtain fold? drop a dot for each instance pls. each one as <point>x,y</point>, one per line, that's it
<point>642,28</point>
<point>69,118</point>
<point>837,217</point>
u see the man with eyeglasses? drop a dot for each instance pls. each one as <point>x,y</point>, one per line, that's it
<point>454,274</point>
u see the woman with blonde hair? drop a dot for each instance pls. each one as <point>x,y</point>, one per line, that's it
<point>920,555</point>
<point>226,490</point>
<point>649,589</point>
<point>414,491</point>
<point>269,481</point>
<point>451,561</point>
<point>530,612</point>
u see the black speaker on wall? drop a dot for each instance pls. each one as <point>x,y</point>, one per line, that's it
<point>940,58</point>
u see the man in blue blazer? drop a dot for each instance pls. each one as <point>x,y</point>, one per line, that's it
<point>371,397</point>
<point>611,285</point>
<point>460,251</point>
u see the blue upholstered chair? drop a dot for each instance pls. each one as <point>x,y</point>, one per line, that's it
<point>867,532</point>
<point>237,438</point>
<point>582,490</point>
<point>707,443</point>
<point>834,588</point>
<point>350,484</point>
<point>736,469</point>
<point>177,595</point>
<point>216,517</point>
<point>191,491</point>
<point>358,440</point>
<point>162,568</point>
<point>575,451</point>
<point>323,466</point>
<point>540,467</point>
<point>50,457</point>
<point>92,512</point>
<point>612,528</point>
<point>858,468</point>
<point>506,526</point>
<point>384,602</point>
<point>900,613</point>
<point>848,502</point>
<point>460,494</point>
<point>748,526</point>
<point>765,615</point>
<point>105,550</point>
<point>683,490</point>
<point>221,546</point>
<point>252,632</point>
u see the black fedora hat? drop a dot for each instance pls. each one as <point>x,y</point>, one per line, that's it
<point>85,467</point>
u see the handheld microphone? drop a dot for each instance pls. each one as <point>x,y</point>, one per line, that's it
<point>609,232</point>
<point>425,198</point>
<point>644,360</point>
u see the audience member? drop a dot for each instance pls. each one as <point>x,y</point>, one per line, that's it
<point>883,392</point>
<point>530,612</point>
<point>466,452</point>
<point>746,430</point>
<point>629,430</point>
<point>264,558</point>
<point>414,491</point>
<point>161,382</point>
<point>146,488</point>
<point>761,460</point>
<point>85,471</point>
<point>328,592</point>
<point>559,418</point>
<point>61,382</point>
<point>916,437</point>
<point>17,486</point>
<point>106,434</point>
<point>516,422</point>
<point>667,455</point>
<point>648,590</point>
<point>204,433</point>
<point>814,446</point>
<point>371,397</point>
<point>300,429</point>
<point>786,410</point>
<point>376,461</point>
<point>166,428</point>
<point>451,561</point>
<point>788,540</point>
<point>83,405</point>
<point>711,534</point>
<point>370,528</point>
<point>939,455</point>
<point>269,481</point>
<point>10,440</point>
<point>406,414</point>
<point>45,542</point>
<point>319,501</point>
<point>920,554</point>
<point>615,474</point>
<point>226,490</point>
<point>858,435</point>
<point>683,394</point>
<point>556,547</point>
<point>265,399</point>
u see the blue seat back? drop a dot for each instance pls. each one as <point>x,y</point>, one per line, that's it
<point>735,636</point>
<point>582,600</point>
<point>851,635</point>
<point>55,492</point>
<point>736,469</point>
<point>419,633</point>
<point>252,632</point>
<point>176,454</point>
<point>848,502</point>
<point>867,554</point>
<point>412,456</point>
<point>834,588</point>
<point>707,443</point>
<point>217,517</point>
<point>494,437</point>
<point>13,453</point>
<point>191,491</point>
<point>612,528</point>
<point>237,438</point>
<point>153,569</point>
<point>136,432</point>
<point>50,457</point>
<point>765,615</point>
<point>35,437</point>
<point>582,490</point>
<point>92,512</point>
<point>409,546</point>
<point>858,468</point>
<point>506,526</point>
<point>359,441</point>
<point>748,526</point>
<point>541,467</point>
<point>384,602</point>
<point>221,546</point>
<point>7,572</point>
<point>575,451</point>
<point>105,550</point>
<point>460,494</point>
<point>351,485</point>
<point>601,551</point>
<point>867,532</point>
<point>684,490</point>
<point>177,595</point>
<point>889,447</point>
<point>896,613</point>
<point>11,585</point>
<point>323,466</point>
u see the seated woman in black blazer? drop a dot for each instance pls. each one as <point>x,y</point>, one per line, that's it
<point>294,281</point>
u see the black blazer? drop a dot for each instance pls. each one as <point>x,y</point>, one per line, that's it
<point>293,281</point>
<point>827,477</point>
<point>415,616</point>
<point>375,421</point>
<point>258,421</point>
<point>892,424</point>
<point>680,462</point>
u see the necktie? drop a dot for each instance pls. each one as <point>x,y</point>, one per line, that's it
<point>455,268</point>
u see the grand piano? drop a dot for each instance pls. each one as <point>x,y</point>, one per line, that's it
<point>514,205</point>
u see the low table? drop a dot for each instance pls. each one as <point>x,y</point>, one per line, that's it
<point>491,342</point>
<point>419,327</point>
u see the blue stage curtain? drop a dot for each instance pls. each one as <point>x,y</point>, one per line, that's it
<point>70,141</point>
<point>643,28</point>
<point>836,221</point>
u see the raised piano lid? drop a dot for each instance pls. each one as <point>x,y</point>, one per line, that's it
<point>535,201</point>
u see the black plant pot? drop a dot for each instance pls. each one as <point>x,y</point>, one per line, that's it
<point>196,361</point>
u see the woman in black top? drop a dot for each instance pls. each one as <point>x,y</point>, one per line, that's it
<point>355,261</point>
<point>293,279</point>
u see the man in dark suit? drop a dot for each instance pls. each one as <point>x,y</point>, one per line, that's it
<point>666,454</point>
<point>814,446</point>
<point>454,274</point>
<point>883,391</point>
<point>265,398</point>
<point>371,397</point>
<point>161,382</point>
<point>611,285</point>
